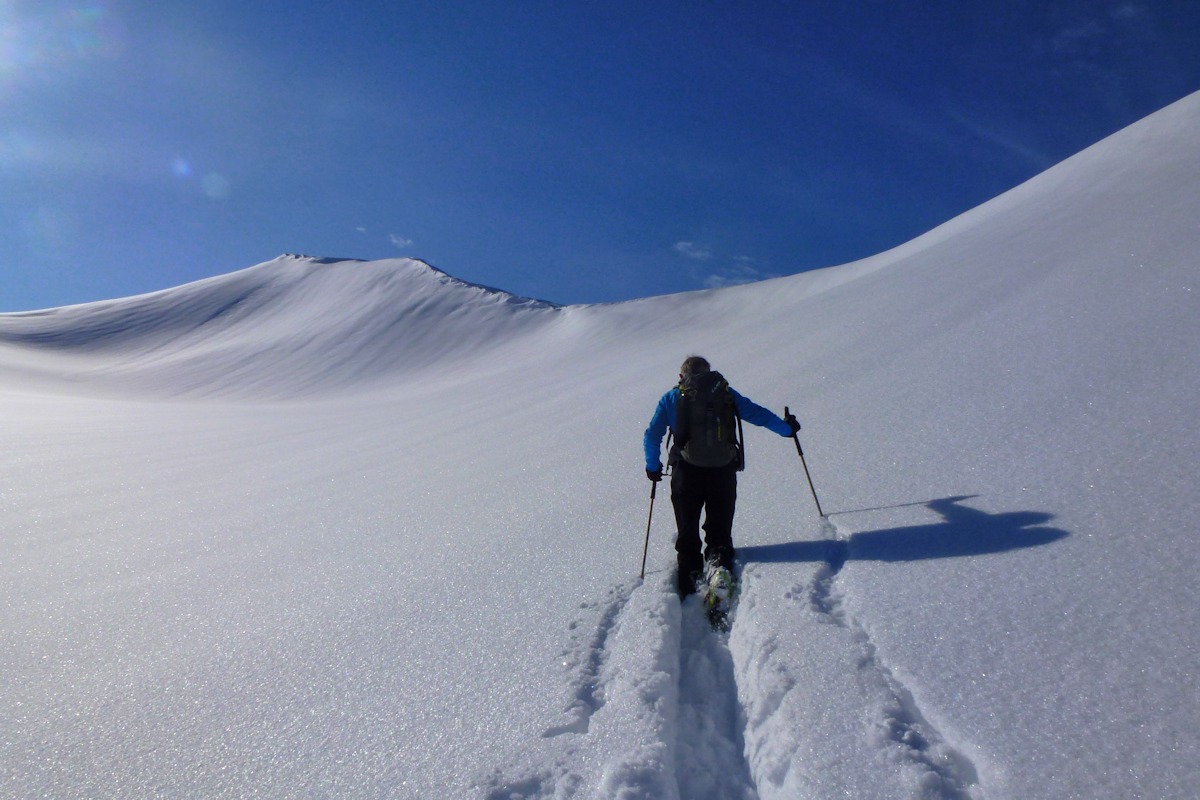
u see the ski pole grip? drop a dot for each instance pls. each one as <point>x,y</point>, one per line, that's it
<point>795,437</point>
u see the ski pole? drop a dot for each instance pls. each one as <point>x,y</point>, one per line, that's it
<point>650,516</point>
<point>646,547</point>
<point>796,439</point>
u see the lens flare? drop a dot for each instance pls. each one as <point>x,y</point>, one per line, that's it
<point>216,186</point>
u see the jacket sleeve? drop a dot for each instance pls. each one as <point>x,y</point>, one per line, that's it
<point>757,415</point>
<point>664,418</point>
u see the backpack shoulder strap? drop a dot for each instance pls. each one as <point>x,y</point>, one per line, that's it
<point>737,415</point>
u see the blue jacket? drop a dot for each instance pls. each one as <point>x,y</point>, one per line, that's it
<point>664,417</point>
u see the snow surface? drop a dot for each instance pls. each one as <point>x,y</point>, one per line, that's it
<point>350,529</point>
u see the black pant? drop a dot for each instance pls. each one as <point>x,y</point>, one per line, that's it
<point>713,491</point>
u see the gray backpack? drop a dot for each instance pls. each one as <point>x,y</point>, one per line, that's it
<point>708,425</point>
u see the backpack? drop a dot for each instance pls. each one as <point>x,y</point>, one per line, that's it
<point>707,421</point>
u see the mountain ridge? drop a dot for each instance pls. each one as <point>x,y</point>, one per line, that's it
<point>366,322</point>
<point>358,321</point>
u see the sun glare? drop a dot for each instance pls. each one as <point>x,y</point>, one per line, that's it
<point>36,39</point>
<point>8,40</point>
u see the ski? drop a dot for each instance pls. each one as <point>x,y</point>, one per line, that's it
<point>718,594</point>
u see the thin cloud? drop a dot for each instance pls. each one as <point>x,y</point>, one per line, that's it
<point>1086,36</point>
<point>742,270</point>
<point>399,241</point>
<point>1129,10</point>
<point>696,252</point>
<point>1089,42</point>
<point>1003,140</point>
<point>1079,40</point>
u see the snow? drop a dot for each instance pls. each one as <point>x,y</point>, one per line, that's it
<point>335,528</point>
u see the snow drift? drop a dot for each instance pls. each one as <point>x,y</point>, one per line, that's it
<point>358,529</point>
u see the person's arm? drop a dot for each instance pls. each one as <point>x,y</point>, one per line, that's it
<point>664,418</point>
<point>757,415</point>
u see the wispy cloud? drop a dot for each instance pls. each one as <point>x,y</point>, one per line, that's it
<point>399,241</point>
<point>741,270</point>
<point>1086,35</point>
<point>694,251</point>
<point>1130,10</point>
<point>1005,140</point>
<point>721,270</point>
<point>1078,40</point>
<point>1087,42</point>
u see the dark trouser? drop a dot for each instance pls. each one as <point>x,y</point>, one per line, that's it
<point>712,491</point>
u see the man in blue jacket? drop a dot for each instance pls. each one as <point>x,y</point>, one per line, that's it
<point>705,459</point>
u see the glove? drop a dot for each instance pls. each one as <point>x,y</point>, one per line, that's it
<point>654,474</point>
<point>792,423</point>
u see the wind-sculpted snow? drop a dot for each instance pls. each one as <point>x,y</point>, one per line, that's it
<point>292,325</point>
<point>358,529</point>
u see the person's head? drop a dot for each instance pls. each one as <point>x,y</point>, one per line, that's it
<point>693,365</point>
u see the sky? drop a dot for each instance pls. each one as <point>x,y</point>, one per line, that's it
<point>574,152</point>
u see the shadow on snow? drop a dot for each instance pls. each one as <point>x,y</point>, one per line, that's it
<point>963,532</point>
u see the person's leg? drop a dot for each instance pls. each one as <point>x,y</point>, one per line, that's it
<point>687,498</point>
<point>721,499</point>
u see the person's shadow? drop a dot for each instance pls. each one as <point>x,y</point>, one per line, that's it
<point>963,532</point>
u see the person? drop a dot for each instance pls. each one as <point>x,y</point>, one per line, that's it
<point>703,479</point>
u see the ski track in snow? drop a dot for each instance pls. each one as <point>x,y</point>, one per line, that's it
<point>682,694</point>
<point>710,748</point>
<point>585,658</point>
<point>560,765</point>
<point>901,726</point>
<point>645,668</point>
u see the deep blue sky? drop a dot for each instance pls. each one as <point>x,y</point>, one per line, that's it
<point>571,151</point>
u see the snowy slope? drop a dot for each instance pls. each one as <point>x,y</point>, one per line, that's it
<point>289,326</point>
<point>357,529</point>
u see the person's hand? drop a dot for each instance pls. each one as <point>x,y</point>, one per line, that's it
<point>792,423</point>
<point>654,474</point>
